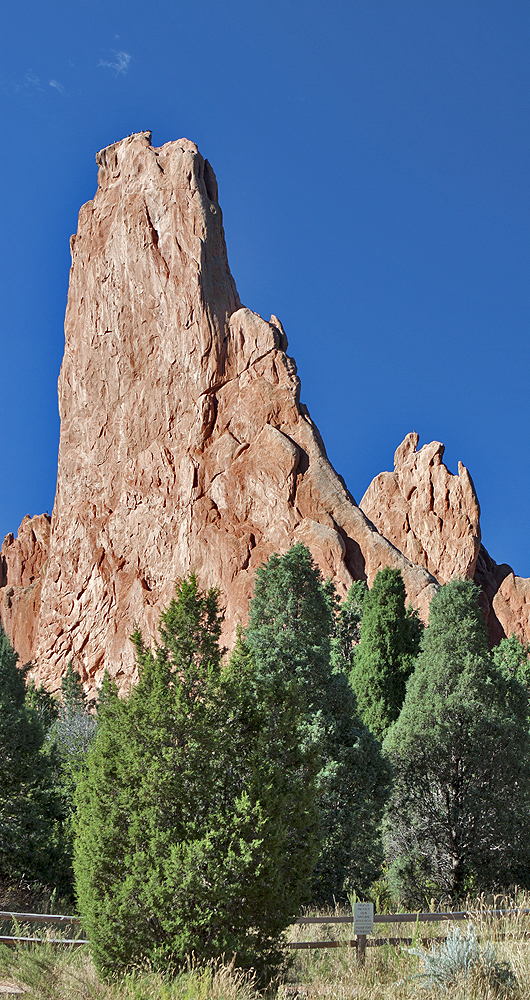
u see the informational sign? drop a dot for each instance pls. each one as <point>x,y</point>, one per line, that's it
<point>363,918</point>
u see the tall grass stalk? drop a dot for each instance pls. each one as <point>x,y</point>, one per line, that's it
<point>44,972</point>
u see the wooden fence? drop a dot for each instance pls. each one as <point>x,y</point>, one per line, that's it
<point>361,941</point>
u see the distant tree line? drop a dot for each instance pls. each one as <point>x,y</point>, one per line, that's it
<point>341,748</point>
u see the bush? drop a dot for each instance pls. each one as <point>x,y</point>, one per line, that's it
<point>458,958</point>
<point>191,835</point>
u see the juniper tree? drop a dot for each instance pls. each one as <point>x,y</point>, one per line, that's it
<point>187,838</point>
<point>347,628</point>
<point>29,809</point>
<point>43,703</point>
<point>512,656</point>
<point>68,740</point>
<point>384,658</point>
<point>460,751</point>
<point>291,621</point>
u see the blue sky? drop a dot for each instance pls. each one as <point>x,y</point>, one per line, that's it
<point>372,160</point>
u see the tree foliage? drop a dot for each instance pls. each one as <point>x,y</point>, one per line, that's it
<point>458,817</point>
<point>291,622</point>
<point>385,656</point>
<point>29,810</point>
<point>190,837</point>
<point>347,628</point>
<point>512,656</point>
<point>74,729</point>
<point>68,739</point>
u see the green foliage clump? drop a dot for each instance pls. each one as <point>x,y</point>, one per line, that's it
<point>512,656</point>
<point>347,628</point>
<point>70,728</point>
<point>44,704</point>
<point>193,823</point>
<point>458,817</point>
<point>29,808</point>
<point>288,638</point>
<point>384,659</point>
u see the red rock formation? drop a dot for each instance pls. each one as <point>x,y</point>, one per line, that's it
<point>433,517</point>
<point>507,598</point>
<point>184,444</point>
<point>183,441</point>
<point>22,567</point>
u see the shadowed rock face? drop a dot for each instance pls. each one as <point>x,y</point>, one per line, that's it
<point>433,517</point>
<point>184,445</point>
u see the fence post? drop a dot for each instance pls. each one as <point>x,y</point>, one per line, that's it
<point>361,948</point>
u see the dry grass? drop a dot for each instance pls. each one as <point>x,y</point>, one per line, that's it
<point>390,972</point>
<point>46,973</point>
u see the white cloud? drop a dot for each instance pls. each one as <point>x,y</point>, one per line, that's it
<point>32,80</point>
<point>120,64</point>
<point>58,86</point>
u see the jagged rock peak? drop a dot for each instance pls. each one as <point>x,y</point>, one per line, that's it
<point>183,442</point>
<point>432,516</point>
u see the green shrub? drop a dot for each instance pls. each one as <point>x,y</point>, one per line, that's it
<point>195,823</point>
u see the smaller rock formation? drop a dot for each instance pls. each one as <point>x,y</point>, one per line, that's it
<point>433,517</point>
<point>22,567</point>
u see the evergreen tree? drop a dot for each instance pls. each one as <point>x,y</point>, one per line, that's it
<point>459,814</point>
<point>29,811</point>
<point>68,740</point>
<point>185,828</point>
<point>347,628</point>
<point>44,704</point>
<point>384,658</point>
<point>72,690</point>
<point>291,621</point>
<point>512,656</point>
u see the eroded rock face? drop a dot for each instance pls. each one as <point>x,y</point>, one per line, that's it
<point>183,444</point>
<point>433,517</point>
<point>22,567</point>
<point>506,598</point>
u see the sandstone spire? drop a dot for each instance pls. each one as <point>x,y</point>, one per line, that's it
<point>183,444</point>
<point>433,517</point>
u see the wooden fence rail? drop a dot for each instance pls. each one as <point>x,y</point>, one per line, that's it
<point>361,941</point>
<point>39,918</point>
<point>42,918</point>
